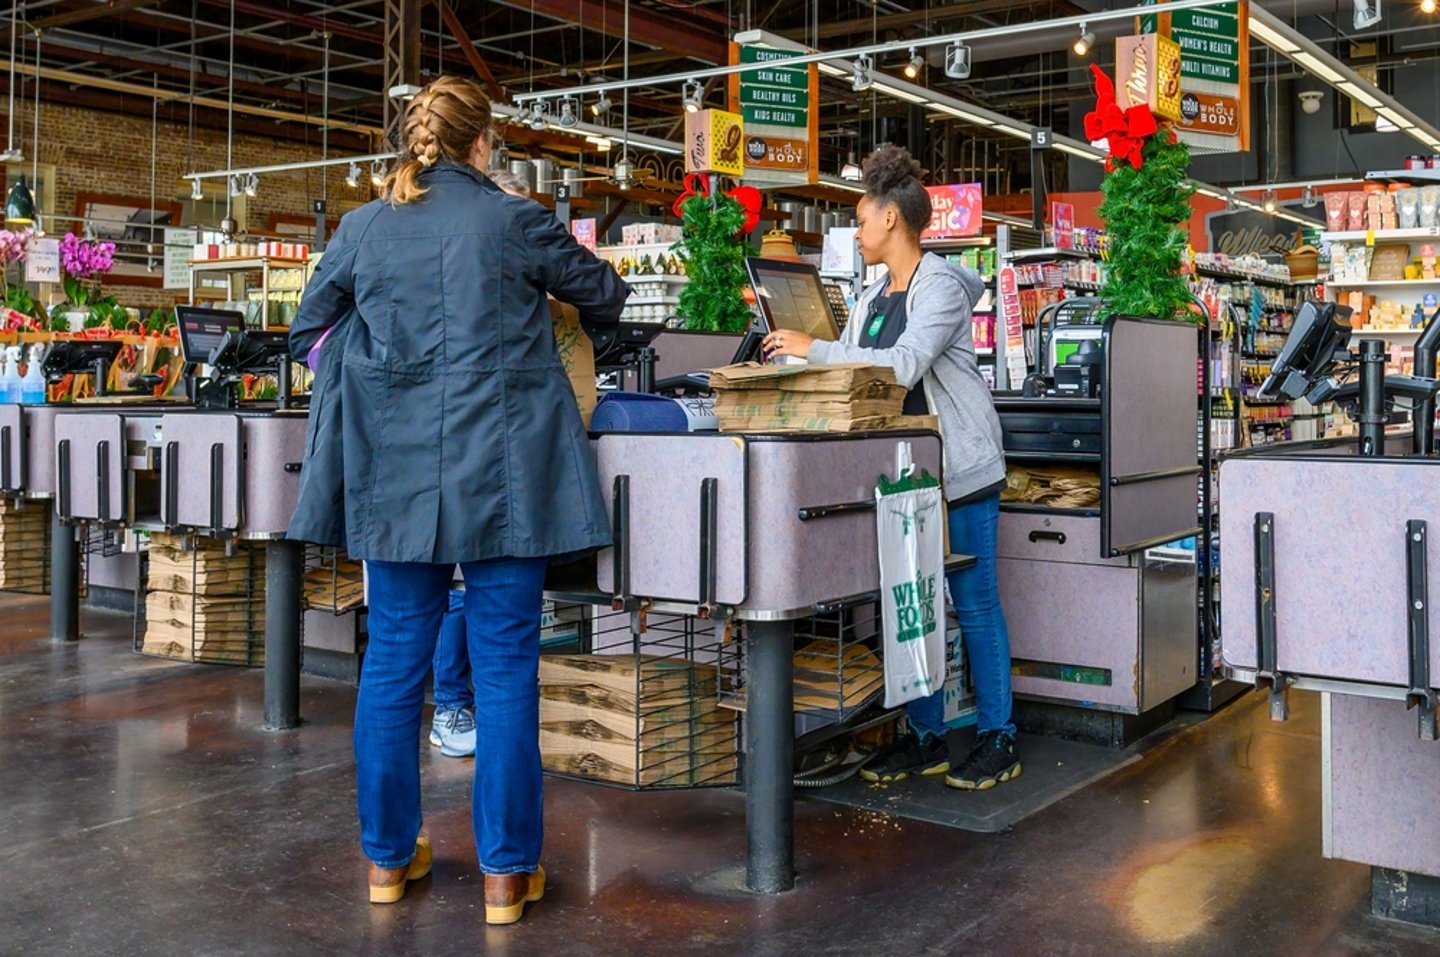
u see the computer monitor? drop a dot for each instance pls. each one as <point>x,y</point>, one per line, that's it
<point>1317,341</point>
<point>201,330</point>
<point>791,296</point>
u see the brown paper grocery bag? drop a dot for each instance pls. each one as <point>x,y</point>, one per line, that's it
<point>578,355</point>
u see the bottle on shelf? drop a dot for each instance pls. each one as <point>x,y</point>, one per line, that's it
<point>646,266</point>
<point>32,384</point>
<point>10,378</point>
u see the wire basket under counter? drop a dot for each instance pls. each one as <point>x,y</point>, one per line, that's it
<point>838,670</point>
<point>334,581</point>
<point>638,707</point>
<point>200,601</point>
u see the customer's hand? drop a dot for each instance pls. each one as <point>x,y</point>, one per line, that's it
<point>787,342</point>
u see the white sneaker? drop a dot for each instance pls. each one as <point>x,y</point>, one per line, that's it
<point>453,732</point>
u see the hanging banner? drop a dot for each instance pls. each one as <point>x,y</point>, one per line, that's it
<point>954,211</point>
<point>179,247</point>
<point>1214,44</point>
<point>782,125</point>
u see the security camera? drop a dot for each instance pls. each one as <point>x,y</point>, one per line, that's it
<point>1310,101</point>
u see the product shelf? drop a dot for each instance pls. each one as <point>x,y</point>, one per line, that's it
<point>1386,333</point>
<point>1382,235</point>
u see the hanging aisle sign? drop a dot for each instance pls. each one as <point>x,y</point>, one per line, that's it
<point>782,125</point>
<point>1214,44</point>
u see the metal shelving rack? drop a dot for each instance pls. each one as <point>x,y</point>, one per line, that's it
<point>263,264</point>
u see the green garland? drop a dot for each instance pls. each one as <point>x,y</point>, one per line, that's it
<point>714,253</point>
<point>1144,210</point>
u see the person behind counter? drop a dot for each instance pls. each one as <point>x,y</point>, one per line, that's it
<point>452,727</point>
<point>917,321</point>
<point>444,431</point>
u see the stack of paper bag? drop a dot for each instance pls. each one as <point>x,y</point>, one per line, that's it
<point>850,397</point>
<point>336,586</point>
<point>638,720</point>
<point>24,547</point>
<point>204,605</point>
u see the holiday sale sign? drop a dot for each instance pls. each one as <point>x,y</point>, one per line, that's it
<point>954,210</point>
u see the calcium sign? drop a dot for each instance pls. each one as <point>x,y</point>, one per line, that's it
<point>954,210</point>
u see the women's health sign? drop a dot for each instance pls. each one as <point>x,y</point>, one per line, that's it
<point>954,210</point>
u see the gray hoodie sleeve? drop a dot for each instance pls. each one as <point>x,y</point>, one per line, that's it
<point>935,314</point>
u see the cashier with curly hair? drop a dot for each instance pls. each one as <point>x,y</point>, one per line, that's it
<point>917,321</point>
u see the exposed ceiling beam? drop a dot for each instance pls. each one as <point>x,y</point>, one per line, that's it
<point>477,62</point>
<point>650,28</point>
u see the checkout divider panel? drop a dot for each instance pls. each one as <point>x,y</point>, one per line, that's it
<point>1091,658</point>
<point>40,448</point>
<point>1341,595</point>
<point>274,451</point>
<point>1380,786</point>
<point>87,438</point>
<point>1148,483</point>
<point>793,563</point>
<point>12,451</point>
<point>199,440</point>
<point>667,473</point>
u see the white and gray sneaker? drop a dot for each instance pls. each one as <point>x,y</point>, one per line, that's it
<point>453,732</point>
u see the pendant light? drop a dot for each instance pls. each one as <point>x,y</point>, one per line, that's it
<point>20,202</point>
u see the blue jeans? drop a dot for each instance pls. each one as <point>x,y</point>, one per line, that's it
<point>452,659</point>
<point>976,593</point>
<point>502,608</point>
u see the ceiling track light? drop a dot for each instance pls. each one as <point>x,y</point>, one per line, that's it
<point>693,96</point>
<point>915,66</point>
<point>957,61</point>
<point>377,173</point>
<point>569,112</point>
<point>1427,6</point>
<point>1308,197</point>
<point>851,171</point>
<point>252,185</point>
<point>1084,43</point>
<point>601,106</point>
<point>864,74</point>
<point>1270,204</point>
<point>538,120</point>
<point>352,177</point>
<point>197,190</point>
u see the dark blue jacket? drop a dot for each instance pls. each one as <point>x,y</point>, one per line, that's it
<point>443,427</point>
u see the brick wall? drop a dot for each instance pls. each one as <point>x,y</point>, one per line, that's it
<point>95,152</point>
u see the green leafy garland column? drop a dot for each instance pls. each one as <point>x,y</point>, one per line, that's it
<point>1145,210</point>
<point>714,251</point>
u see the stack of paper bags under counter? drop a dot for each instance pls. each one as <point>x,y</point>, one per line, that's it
<point>638,720</point>
<point>24,547</point>
<point>851,397</point>
<point>204,605</point>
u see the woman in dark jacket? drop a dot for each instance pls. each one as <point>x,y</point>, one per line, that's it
<point>444,431</point>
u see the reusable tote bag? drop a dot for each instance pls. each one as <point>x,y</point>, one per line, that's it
<point>910,528</point>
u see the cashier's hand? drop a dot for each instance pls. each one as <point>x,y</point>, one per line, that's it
<point>785,342</point>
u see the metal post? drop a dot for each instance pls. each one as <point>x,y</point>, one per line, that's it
<point>1372,397</point>
<point>645,358</point>
<point>64,581</point>
<point>769,757</point>
<point>284,568</point>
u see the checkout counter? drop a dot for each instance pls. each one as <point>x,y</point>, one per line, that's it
<point>215,466</point>
<point>1328,579</point>
<point>1102,620</point>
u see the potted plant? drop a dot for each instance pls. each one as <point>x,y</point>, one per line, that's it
<point>83,261</point>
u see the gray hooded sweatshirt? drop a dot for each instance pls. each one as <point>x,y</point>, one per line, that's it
<point>937,351</point>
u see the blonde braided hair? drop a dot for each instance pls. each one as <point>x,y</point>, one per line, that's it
<point>443,122</point>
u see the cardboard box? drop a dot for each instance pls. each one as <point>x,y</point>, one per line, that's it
<point>577,353</point>
<point>714,143</point>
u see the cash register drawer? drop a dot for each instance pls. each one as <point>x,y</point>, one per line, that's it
<point>1039,537</point>
<point>1051,431</point>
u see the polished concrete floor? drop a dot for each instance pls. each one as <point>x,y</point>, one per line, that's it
<point>143,811</point>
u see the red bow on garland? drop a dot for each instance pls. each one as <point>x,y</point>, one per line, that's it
<point>698,184</point>
<point>1124,130</point>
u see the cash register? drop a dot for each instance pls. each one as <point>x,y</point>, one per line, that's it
<point>217,340</point>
